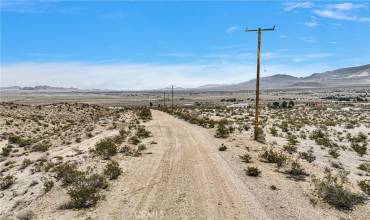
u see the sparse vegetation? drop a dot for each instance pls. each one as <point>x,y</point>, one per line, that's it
<point>246,158</point>
<point>253,171</point>
<point>6,181</point>
<point>332,190</point>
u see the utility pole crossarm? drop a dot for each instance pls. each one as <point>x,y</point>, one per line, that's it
<point>260,29</point>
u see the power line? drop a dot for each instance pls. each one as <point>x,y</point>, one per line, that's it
<point>258,30</point>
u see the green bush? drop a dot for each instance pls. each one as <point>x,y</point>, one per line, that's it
<point>364,167</point>
<point>25,163</point>
<point>359,148</point>
<point>6,181</point>
<point>332,190</point>
<point>142,132</point>
<point>246,158</point>
<point>6,150</point>
<point>22,142</point>
<point>365,186</point>
<point>85,192</point>
<point>308,156</point>
<point>112,170</point>
<point>271,156</point>
<point>144,114</point>
<point>41,147</point>
<point>253,171</point>
<point>290,148</point>
<point>274,131</point>
<point>222,131</point>
<point>134,140</point>
<point>296,169</point>
<point>47,183</point>
<point>105,148</point>
<point>68,173</point>
<point>222,147</point>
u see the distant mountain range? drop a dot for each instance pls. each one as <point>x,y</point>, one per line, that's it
<point>352,76</point>
<point>344,77</point>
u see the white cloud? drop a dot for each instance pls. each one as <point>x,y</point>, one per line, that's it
<point>308,40</point>
<point>233,29</point>
<point>339,15</point>
<point>311,24</point>
<point>283,36</point>
<point>289,6</point>
<point>318,55</point>
<point>346,6</point>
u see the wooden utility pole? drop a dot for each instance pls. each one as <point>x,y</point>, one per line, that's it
<point>172,99</point>
<point>258,30</point>
<point>164,98</point>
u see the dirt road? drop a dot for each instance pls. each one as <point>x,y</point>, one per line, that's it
<point>184,178</point>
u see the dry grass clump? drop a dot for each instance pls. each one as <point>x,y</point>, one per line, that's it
<point>333,191</point>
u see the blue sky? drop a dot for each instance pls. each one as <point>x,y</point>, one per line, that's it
<point>142,45</point>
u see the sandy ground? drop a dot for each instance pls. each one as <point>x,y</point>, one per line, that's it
<point>184,176</point>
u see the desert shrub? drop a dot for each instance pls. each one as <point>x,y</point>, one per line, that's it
<point>6,181</point>
<point>364,167</point>
<point>142,132</point>
<point>296,169</point>
<point>261,137</point>
<point>22,142</point>
<point>25,215</point>
<point>359,148</point>
<point>144,114</point>
<point>320,138</point>
<point>105,148</point>
<point>273,131</point>
<point>292,139</point>
<point>68,173</point>
<point>134,140</point>
<point>308,156</point>
<point>141,147</point>
<point>112,170</point>
<point>41,147</point>
<point>253,171</point>
<point>365,186</point>
<point>246,158</point>
<point>271,156</point>
<point>333,151</point>
<point>222,131</point>
<point>85,192</point>
<point>222,147</point>
<point>6,150</point>
<point>290,148</point>
<point>332,190</point>
<point>47,183</point>
<point>25,163</point>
